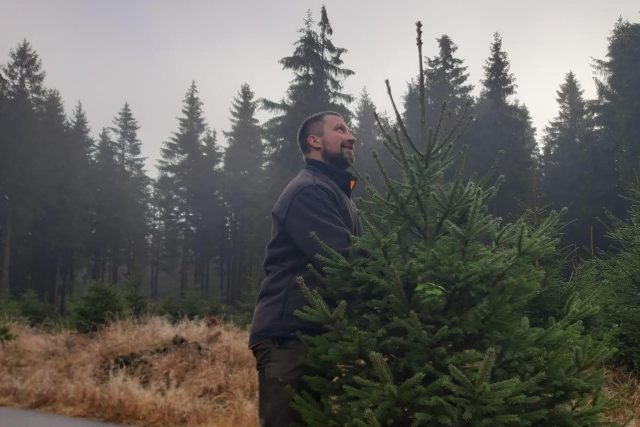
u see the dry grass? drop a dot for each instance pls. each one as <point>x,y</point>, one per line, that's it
<point>626,388</point>
<point>146,372</point>
<point>153,373</point>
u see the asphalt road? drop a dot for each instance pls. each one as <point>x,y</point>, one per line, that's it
<point>10,417</point>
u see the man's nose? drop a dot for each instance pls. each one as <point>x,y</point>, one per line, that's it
<point>351,138</point>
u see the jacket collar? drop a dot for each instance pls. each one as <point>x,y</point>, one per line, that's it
<point>345,180</point>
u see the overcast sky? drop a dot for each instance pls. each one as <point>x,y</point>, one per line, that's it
<point>147,52</point>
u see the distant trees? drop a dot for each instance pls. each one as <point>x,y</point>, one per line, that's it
<point>22,97</point>
<point>502,125</point>
<point>77,206</point>
<point>190,186</point>
<point>370,141</point>
<point>244,193</point>
<point>579,169</point>
<point>445,87</point>
<point>618,105</point>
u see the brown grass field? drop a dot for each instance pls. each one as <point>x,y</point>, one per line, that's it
<point>147,372</point>
<point>153,373</point>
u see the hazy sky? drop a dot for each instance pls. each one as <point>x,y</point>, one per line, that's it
<point>147,52</point>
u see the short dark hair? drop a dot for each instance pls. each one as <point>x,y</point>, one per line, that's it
<point>310,126</point>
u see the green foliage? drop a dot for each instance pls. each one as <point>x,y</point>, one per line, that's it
<point>614,281</point>
<point>618,107</point>
<point>191,210</point>
<point>5,334</point>
<point>370,141</point>
<point>30,308</point>
<point>579,170</point>
<point>100,304</point>
<point>244,190</point>
<point>135,303</point>
<point>426,318</point>
<point>33,309</point>
<point>317,85</point>
<point>445,87</point>
<point>512,141</point>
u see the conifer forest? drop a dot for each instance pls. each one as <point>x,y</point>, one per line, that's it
<point>502,267</point>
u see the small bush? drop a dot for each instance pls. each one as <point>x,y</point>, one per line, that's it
<point>5,334</point>
<point>33,309</point>
<point>101,304</point>
<point>10,309</point>
<point>135,302</point>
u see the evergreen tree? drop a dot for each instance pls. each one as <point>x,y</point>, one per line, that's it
<point>189,185</point>
<point>244,193</point>
<point>133,192</point>
<point>614,281</point>
<point>425,317</point>
<point>316,86</point>
<point>501,125</point>
<point>79,184</point>
<point>22,98</point>
<point>618,109</point>
<point>576,172</point>
<point>53,231</point>
<point>105,212</point>
<point>445,86</point>
<point>370,141</point>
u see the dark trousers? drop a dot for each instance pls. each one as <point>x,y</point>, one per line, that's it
<point>279,363</point>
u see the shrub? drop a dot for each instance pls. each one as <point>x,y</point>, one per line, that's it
<point>101,304</point>
<point>32,308</point>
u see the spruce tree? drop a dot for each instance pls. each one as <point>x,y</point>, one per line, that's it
<point>105,212</point>
<point>503,126</point>
<point>23,94</point>
<point>49,226</point>
<point>244,193</point>
<point>317,85</point>
<point>191,182</point>
<point>425,319</point>
<point>370,141</point>
<point>133,183</point>
<point>614,280</point>
<point>578,173</point>
<point>618,107</point>
<point>445,87</point>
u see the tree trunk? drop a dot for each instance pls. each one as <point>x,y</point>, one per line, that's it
<point>183,269</point>
<point>154,271</point>
<point>6,257</point>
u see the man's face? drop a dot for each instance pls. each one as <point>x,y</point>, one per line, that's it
<point>337,144</point>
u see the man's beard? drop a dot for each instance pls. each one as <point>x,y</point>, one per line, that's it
<point>341,160</point>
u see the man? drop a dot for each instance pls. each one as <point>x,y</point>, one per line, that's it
<point>316,201</point>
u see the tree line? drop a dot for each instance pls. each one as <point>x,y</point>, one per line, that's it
<point>79,207</point>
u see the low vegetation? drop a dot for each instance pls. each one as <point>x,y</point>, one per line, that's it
<point>149,372</point>
<point>152,372</point>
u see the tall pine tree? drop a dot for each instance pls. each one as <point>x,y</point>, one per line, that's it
<point>502,125</point>
<point>316,86</point>
<point>244,193</point>
<point>23,95</point>
<point>133,187</point>
<point>445,87</point>
<point>618,108</point>
<point>105,212</point>
<point>578,170</point>
<point>190,181</point>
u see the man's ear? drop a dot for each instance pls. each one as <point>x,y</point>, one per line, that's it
<point>314,142</point>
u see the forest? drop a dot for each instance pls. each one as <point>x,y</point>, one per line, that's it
<point>81,216</point>
<point>501,261</point>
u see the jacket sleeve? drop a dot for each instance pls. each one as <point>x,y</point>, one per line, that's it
<point>315,209</point>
